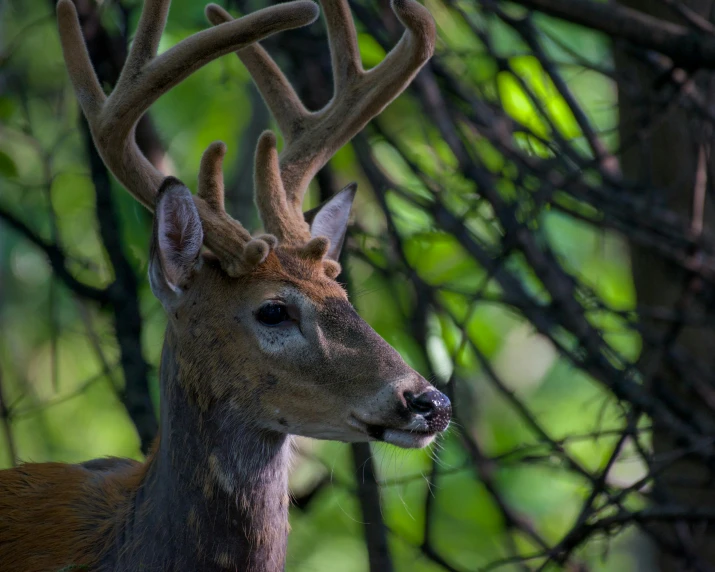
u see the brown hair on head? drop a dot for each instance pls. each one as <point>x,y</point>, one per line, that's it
<point>261,341</point>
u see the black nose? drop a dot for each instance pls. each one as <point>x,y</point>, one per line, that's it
<point>433,405</point>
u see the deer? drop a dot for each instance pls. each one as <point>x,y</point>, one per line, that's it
<point>261,344</point>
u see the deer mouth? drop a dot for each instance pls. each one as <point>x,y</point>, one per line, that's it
<point>409,439</point>
<point>415,438</point>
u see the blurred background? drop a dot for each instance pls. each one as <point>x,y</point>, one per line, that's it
<point>532,231</point>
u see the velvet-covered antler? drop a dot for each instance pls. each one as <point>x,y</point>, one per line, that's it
<point>312,138</point>
<point>144,78</point>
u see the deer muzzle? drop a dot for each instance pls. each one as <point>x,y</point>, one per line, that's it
<point>419,418</point>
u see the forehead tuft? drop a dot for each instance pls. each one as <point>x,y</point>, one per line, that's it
<point>296,266</point>
<point>285,265</point>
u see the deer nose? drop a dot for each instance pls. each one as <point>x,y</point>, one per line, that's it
<point>433,405</point>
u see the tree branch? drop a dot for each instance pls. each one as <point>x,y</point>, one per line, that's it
<point>125,302</point>
<point>57,259</point>
<point>687,47</point>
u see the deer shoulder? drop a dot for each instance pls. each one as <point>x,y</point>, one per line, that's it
<point>55,514</point>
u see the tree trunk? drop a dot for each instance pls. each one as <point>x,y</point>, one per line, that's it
<point>664,151</point>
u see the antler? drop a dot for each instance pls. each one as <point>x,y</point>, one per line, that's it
<point>144,78</point>
<point>312,138</point>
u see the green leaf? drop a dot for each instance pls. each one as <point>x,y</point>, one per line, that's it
<point>7,108</point>
<point>7,166</point>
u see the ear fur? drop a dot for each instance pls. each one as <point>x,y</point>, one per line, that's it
<point>331,219</point>
<point>176,240</point>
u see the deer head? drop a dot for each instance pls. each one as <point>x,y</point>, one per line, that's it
<point>259,325</point>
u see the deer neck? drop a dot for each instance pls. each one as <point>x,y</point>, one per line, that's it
<point>216,489</point>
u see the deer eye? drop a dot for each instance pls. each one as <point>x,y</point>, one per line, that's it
<point>272,314</point>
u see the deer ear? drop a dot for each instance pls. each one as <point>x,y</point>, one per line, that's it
<point>176,241</point>
<point>331,219</point>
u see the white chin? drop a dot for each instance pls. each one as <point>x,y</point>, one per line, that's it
<point>407,439</point>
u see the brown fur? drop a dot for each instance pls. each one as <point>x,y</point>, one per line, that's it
<point>213,493</point>
<point>54,515</point>
<point>215,372</point>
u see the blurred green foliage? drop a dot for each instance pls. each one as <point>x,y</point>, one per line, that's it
<point>58,355</point>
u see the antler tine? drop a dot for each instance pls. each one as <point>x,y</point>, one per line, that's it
<point>226,233</point>
<point>313,138</point>
<point>413,50</point>
<point>170,68</point>
<point>285,105</point>
<point>279,217</point>
<point>145,78</point>
<point>148,35</point>
<point>86,85</point>
<point>344,50</point>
